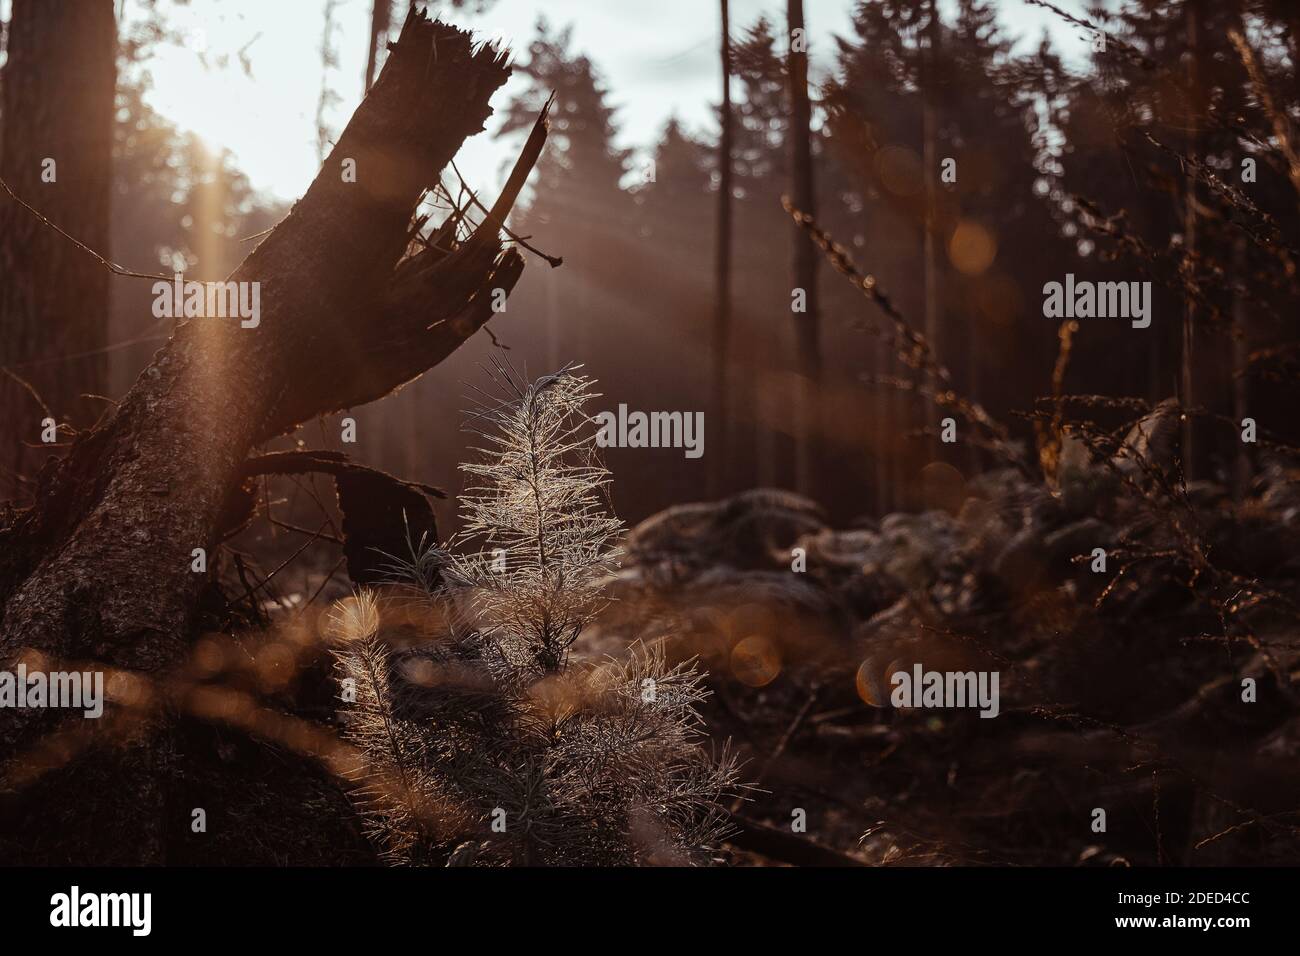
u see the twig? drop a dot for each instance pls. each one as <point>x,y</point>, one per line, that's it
<point>785,847</point>
<point>553,261</point>
<point>528,157</point>
<point>293,527</point>
<point>495,341</point>
<point>912,347</point>
<point>1135,54</point>
<point>781,744</point>
<point>285,563</point>
<point>248,588</point>
<point>30,389</point>
<point>1281,128</point>
<point>111,266</point>
<point>335,570</point>
<point>101,351</point>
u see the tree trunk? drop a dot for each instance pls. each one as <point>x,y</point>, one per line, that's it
<point>1187,378</point>
<point>1241,345</point>
<point>808,422</point>
<point>101,566</point>
<point>380,16</point>
<point>722,306</point>
<point>929,149</point>
<point>56,153</point>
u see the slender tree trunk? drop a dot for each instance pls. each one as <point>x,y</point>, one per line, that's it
<point>974,385</point>
<point>1161,379</point>
<point>380,17</point>
<point>1241,344</point>
<point>553,330</point>
<point>328,57</point>
<point>885,399</point>
<point>56,154</point>
<point>1294,24</point>
<point>808,421</point>
<point>929,148</point>
<point>1187,377</point>
<point>722,306</point>
<point>102,566</point>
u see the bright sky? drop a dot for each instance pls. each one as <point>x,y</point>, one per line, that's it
<point>657,57</point>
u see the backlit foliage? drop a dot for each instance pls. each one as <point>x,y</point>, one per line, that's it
<point>486,744</point>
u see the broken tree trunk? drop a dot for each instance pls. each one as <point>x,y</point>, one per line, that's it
<point>100,567</point>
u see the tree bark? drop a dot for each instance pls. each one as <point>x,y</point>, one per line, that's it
<point>1242,468</point>
<point>1187,378</point>
<point>929,149</point>
<point>722,267</point>
<point>805,255</point>
<point>380,15</point>
<point>56,153</point>
<point>101,567</point>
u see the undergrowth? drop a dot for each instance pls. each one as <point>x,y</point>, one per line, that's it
<point>484,741</point>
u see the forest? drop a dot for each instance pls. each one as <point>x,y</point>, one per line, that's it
<point>892,461</point>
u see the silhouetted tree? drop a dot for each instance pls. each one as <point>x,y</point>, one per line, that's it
<point>1158,212</point>
<point>805,255</point>
<point>56,154</point>
<point>381,15</point>
<point>722,255</point>
<point>580,175</point>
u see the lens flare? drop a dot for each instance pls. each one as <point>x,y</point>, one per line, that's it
<point>755,661</point>
<point>972,248</point>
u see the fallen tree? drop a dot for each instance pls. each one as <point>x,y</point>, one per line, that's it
<point>101,567</point>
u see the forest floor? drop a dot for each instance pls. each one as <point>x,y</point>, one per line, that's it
<point>1119,691</point>
<point>1123,691</point>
